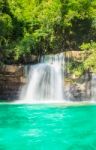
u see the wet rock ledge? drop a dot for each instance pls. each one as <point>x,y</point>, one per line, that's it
<point>12,78</point>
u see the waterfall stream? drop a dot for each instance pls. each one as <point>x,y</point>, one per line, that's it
<point>93,87</point>
<point>46,80</point>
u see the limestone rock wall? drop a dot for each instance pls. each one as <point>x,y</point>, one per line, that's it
<point>12,78</point>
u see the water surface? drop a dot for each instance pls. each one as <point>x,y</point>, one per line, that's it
<point>43,127</point>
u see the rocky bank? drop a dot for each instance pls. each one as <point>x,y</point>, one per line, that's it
<point>14,77</point>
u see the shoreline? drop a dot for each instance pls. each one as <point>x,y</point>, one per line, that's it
<point>69,103</point>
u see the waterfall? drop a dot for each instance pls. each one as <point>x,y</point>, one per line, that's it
<point>46,80</point>
<point>93,88</point>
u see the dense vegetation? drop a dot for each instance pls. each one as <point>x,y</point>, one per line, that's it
<point>47,26</point>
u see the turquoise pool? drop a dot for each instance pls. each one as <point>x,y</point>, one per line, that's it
<point>43,127</point>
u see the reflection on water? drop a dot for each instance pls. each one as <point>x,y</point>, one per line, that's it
<point>39,127</point>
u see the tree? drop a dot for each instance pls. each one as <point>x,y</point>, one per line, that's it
<point>45,26</point>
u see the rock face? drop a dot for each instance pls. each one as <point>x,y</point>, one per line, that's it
<point>11,80</point>
<point>76,92</point>
<point>80,89</point>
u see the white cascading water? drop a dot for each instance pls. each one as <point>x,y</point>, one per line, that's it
<point>93,87</point>
<point>46,80</point>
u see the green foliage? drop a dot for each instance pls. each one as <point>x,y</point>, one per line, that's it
<point>5,28</point>
<point>75,67</point>
<point>90,50</point>
<point>45,26</point>
<point>89,62</point>
<point>24,47</point>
